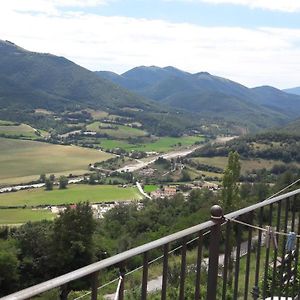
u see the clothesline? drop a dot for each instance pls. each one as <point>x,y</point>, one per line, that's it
<point>259,228</point>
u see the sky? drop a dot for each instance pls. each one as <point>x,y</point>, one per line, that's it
<point>253,42</point>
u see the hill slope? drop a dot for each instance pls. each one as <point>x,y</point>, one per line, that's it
<point>47,81</point>
<point>210,95</point>
<point>30,80</point>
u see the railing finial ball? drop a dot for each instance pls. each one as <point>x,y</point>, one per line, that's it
<point>216,212</point>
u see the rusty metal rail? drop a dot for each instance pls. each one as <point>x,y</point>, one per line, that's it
<point>283,209</point>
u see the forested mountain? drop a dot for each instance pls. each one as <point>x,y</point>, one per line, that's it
<point>210,95</point>
<point>295,91</point>
<point>47,81</point>
<point>292,128</point>
<point>30,80</point>
<point>277,100</point>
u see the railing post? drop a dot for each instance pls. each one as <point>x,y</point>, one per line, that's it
<point>213,265</point>
<point>94,285</point>
<point>122,284</point>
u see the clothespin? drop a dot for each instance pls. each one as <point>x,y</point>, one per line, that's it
<point>268,236</point>
<point>271,237</point>
<point>290,242</point>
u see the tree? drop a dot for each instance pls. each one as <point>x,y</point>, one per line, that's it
<point>185,176</point>
<point>230,200</point>
<point>48,184</point>
<point>63,182</point>
<point>42,178</point>
<point>230,191</point>
<point>72,241</point>
<point>9,268</point>
<point>34,242</point>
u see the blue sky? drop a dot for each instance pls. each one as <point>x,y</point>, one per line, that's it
<point>254,42</point>
<point>201,13</point>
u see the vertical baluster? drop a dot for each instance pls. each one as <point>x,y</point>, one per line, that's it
<point>94,285</point>
<point>249,243</point>
<point>145,276</point>
<point>227,256</point>
<point>267,256</point>
<point>198,268</point>
<point>276,250</point>
<point>291,253</point>
<point>122,285</point>
<point>296,206</point>
<point>237,262</point>
<point>255,291</point>
<point>281,274</point>
<point>183,270</point>
<point>213,264</point>
<point>165,272</point>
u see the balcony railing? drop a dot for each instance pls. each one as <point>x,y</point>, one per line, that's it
<point>233,259</point>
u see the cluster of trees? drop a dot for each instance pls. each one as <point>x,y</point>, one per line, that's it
<point>49,181</point>
<point>277,146</point>
<point>39,251</point>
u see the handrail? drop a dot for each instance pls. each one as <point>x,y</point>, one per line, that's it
<point>92,268</point>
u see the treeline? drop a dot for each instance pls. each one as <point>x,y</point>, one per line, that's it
<point>276,146</point>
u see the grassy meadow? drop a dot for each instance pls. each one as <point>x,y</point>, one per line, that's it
<point>73,194</point>
<point>246,165</point>
<point>20,216</point>
<point>21,159</point>
<point>121,131</point>
<point>17,130</point>
<point>162,144</point>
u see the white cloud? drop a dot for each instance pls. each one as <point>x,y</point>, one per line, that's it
<point>50,7</point>
<point>279,5</point>
<point>249,56</point>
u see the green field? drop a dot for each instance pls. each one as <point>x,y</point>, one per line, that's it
<point>21,160</point>
<point>122,131</point>
<point>19,215</point>
<point>162,144</point>
<point>73,194</point>
<point>246,165</point>
<point>150,188</point>
<point>18,130</point>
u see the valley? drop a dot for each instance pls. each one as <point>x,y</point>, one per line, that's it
<point>145,153</point>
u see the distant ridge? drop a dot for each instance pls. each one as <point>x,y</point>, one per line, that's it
<point>295,90</point>
<point>211,95</point>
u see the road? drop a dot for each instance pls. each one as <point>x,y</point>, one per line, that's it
<point>141,164</point>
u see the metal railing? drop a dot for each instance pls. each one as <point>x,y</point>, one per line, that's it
<point>238,262</point>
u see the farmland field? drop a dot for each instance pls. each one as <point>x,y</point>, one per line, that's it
<point>73,194</point>
<point>162,144</point>
<point>121,131</point>
<point>150,188</point>
<point>19,215</point>
<point>17,130</point>
<point>246,165</point>
<point>19,159</point>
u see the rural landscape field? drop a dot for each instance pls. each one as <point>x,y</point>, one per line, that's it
<point>149,149</point>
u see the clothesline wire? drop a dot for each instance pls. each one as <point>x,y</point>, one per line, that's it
<point>282,190</point>
<point>258,228</point>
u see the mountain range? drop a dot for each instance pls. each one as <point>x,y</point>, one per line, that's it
<point>210,95</point>
<point>169,96</point>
